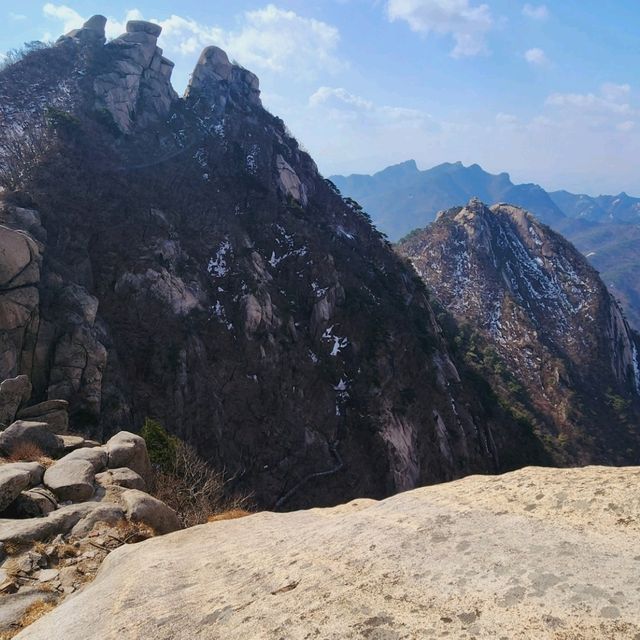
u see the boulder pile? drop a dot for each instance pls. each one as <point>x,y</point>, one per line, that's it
<point>65,502</point>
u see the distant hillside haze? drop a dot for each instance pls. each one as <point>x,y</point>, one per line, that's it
<point>606,229</point>
<point>620,209</point>
<point>402,198</point>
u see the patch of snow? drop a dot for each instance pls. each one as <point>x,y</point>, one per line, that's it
<point>218,265</point>
<point>339,343</point>
<point>318,290</point>
<point>344,233</point>
<point>636,366</point>
<point>252,159</point>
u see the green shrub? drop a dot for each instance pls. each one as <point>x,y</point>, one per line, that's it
<point>161,445</point>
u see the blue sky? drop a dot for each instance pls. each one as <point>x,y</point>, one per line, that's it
<point>546,91</point>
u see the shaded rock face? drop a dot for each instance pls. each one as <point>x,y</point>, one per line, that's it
<point>193,266</point>
<point>418,565</point>
<point>548,319</point>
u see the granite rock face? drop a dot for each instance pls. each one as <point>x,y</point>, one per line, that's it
<point>557,341</point>
<point>538,553</point>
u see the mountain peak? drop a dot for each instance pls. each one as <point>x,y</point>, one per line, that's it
<point>218,79</point>
<point>92,31</point>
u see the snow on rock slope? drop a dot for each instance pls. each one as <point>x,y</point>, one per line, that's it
<point>554,338</point>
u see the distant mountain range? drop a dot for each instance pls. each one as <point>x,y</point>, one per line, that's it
<point>402,198</point>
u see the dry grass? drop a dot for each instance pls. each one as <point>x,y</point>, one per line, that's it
<point>231,514</point>
<point>132,532</point>
<point>15,548</point>
<point>33,613</point>
<point>194,490</point>
<point>29,452</point>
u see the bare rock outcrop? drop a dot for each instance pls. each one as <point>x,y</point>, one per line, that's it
<point>538,553</point>
<point>216,78</point>
<point>13,393</point>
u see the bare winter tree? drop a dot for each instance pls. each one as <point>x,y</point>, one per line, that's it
<point>21,145</point>
<point>194,489</point>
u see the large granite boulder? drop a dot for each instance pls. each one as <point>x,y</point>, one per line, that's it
<point>70,479</point>
<point>122,477</point>
<point>23,433</point>
<point>129,450</point>
<point>12,481</point>
<point>54,413</point>
<point>141,507</point>
<point>34,503</point>
<point>97,456</point>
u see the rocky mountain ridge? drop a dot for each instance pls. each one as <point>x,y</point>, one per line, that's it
<point>545,316</point>
<point>402,198</point>
<point>181,258</point>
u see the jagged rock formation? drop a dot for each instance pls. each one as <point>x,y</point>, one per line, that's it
<point>181,258</point>
<point>545,318</point>
<point>538,553</point>
<point>60,518</point>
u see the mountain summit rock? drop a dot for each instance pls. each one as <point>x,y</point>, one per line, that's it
<point>550,329</point>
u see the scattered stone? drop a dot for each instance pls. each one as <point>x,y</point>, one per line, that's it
<point>129,450</point>
<point>46,575</point>
<point>122,477</point>
<point>141,507</point>
<point>70,479</point>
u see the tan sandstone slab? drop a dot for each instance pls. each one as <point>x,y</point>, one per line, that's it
<point>535,554</point>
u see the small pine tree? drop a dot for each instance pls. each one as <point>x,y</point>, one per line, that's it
<point>161,445</point>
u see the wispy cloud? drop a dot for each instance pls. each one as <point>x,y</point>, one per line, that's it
<point>269,38</point>
<point>536,57</point>
<point>611,99</point>
<point>466,23</point>
<point>343,106</point>
<point>535,12</point>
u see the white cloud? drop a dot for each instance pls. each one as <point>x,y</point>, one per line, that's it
<point>70,18</point>
<point>344,107</point>
<point>536,56</point>
<point>468,24</point>
<point>611,99</point>
<point>17,16</point>
<point>284,41</point>
<point>535,12</point>
<point>269,38</point>
<point>506,119</point>
<point>627,125</point>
